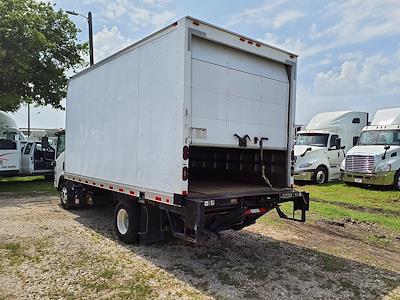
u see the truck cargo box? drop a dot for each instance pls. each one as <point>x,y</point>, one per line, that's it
<point>190,110</point>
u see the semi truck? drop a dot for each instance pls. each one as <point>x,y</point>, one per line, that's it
<point>188,130</point>
<point>375,160</point>
<point>322,146</point>
<point>20,156</point>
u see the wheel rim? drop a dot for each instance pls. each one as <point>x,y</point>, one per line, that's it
<point>64,195</point>
<point>122,221</point>
<point>320,177</point>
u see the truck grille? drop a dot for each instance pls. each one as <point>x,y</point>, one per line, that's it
<point>360,164</point>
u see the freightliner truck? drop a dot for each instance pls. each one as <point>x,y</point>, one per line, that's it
<point>375,160</point>
<point>189,130</point>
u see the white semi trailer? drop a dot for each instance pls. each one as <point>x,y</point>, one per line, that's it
<point>322,146</point>
<point>375,160</point>
<point>189,129</point>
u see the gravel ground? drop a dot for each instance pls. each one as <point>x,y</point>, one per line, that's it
<point>49,253</point>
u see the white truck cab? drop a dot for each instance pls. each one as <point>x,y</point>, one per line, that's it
<point>12,141</point>
<point>322,146</point>
<point>37,158</point>
<point>375,160</point>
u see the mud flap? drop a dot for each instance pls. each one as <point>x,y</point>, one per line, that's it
<point>151,225</point>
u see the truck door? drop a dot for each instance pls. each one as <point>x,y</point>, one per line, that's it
<point>335,156</point>
<point>234,92</point>
<point>27,159</point>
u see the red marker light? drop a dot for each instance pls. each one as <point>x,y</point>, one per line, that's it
<point>185,173</point>
<point>185,152</point>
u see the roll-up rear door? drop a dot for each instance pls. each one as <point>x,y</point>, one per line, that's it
<point>235,92</point>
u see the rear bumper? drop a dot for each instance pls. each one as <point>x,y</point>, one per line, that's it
<point>304,175</point>
<point>203,216</point>
<point>381,178</point>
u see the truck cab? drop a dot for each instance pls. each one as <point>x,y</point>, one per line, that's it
<point>322,146</point>
<point>11,143</point>
<point>375,160</point>
<point>37,158</point>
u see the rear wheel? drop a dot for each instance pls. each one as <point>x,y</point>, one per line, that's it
<point>320,175</point>
<point>397,181</point>
<point>127,220</point>
<point>67,195</point>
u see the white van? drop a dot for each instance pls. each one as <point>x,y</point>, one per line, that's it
<point>376,158</point>
<point>321,148</point>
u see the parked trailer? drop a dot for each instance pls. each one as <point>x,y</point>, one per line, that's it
<point>189,129</point>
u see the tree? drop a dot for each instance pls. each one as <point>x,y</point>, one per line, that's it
<point>38,45</point>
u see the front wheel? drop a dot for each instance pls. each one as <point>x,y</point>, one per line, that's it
<point>397,181</point>
<point>127,220</point>
<point>320,175</point>
<point>67,195</point>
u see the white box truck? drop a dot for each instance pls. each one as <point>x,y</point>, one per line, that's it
<point>189,129</point>
<point>375,160</point>
<point>322,146</point>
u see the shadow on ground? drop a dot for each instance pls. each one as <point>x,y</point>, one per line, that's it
<point>243,264</point>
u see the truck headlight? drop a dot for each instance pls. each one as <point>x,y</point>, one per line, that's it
<point>305,165</point>
<point>384,168</point>
<point>343,165</point>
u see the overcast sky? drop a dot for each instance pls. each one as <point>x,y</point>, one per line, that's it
<point>349,50</point>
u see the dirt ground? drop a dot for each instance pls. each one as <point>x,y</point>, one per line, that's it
<point>49,253</point>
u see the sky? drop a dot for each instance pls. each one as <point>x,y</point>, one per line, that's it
<point>349,51</point>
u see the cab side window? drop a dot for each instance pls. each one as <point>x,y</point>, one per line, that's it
<point>60,144</point>
<point>28,148</point>
<point>332,142</point>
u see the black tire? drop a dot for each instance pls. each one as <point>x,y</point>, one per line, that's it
<point>320,175</point>
<point>396,183</point>
<point>67,195</point>
<point>127,219</point>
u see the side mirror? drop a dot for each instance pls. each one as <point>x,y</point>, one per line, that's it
<point>343,147</point>
<point>45,142</point>
<point>338,143</point>
<point>387,147</point>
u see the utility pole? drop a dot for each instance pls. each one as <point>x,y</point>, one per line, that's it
<point>29,119</point>
<point>90,24</point>
<point>89,19</point>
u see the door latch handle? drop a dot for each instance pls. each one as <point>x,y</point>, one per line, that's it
<point>242,140</point>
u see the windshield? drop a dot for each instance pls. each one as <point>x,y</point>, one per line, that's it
<point>312,139</point>
<point>380,137</point>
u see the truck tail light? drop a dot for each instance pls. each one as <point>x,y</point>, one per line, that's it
<point>185,152</point>
<point>185,173</point>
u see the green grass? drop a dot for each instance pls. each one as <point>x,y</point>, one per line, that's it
<point>21,178</point>
<point>361,197</point>
<point>24,186</point>
<point>337,201</point>
<point>334,212</point>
